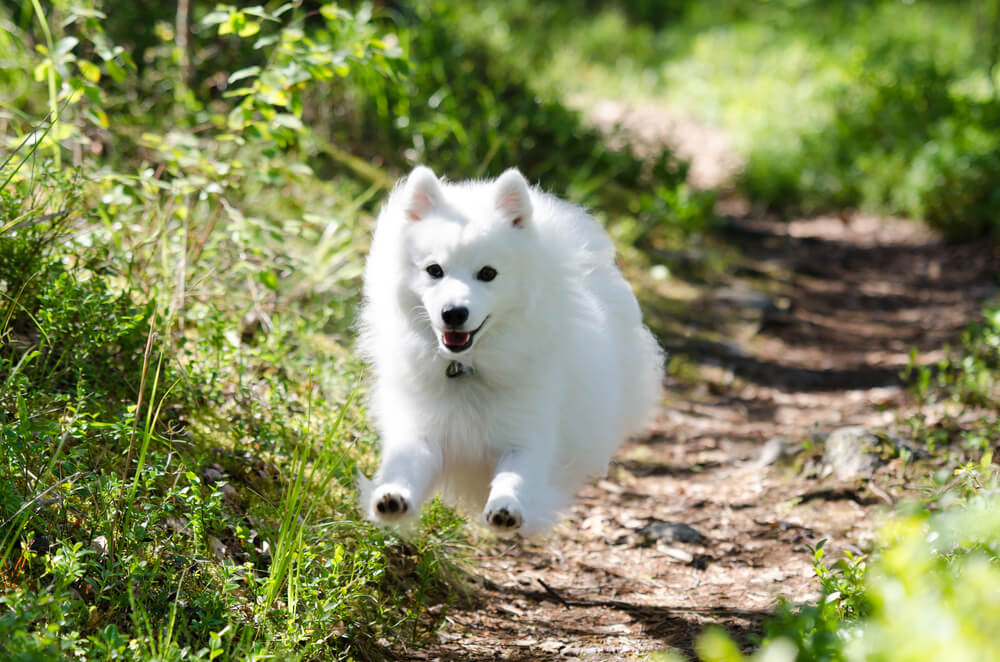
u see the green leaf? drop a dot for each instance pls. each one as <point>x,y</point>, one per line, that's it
<point>238,117</point>
<point>41,71</point>
<point>93,94</point>
<point>288,121</point>
<point>332,12</point>
<point>127,59</point>
<point>216,17</point>
<point>714,645</point>
<point>65,45</point>
<point>249,29</point>
<point>274,96</point>
<point>232,23</point>
<point>263,42</point>
<point>243,73</point>
<point>258,11</point>
<point>115,71</point>
<point>89,70</point>
<point>238,92</point>
<point>268,279</point>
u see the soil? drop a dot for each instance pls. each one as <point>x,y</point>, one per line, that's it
<point>710,515</point>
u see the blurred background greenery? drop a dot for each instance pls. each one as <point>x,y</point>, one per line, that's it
<point>187,194</point>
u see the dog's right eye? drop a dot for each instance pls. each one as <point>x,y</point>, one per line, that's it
<point>434,271</point>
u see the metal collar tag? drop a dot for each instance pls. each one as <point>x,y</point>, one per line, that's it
<point>456,369</point>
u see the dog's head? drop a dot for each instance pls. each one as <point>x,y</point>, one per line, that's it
<point>466,247</point>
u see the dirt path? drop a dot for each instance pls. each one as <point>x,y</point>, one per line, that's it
<point>708,517</point>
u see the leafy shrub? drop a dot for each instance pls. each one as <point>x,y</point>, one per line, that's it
<point>470,111</point>
<point>932,585</point>
<point>888,105</point>
<point>909,129</point>
<point>64,328</point>
<point>901,139</point>
<point>952,179</point>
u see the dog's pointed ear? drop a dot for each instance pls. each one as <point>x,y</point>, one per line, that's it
<point>513,199</point>
<point>422,193</point>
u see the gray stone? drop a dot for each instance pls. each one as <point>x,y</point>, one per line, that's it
<point>660,531</point>
<point>213,474</point>
<point>851,452</point>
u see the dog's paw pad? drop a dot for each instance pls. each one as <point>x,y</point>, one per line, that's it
<point>390,505</point>
<point>504,519</point>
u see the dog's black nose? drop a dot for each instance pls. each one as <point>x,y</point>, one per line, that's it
<point>455,316</point>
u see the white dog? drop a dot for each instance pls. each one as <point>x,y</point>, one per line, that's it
<point>509,354</point>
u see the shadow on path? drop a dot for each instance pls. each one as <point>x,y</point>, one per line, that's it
<point>832,305</point>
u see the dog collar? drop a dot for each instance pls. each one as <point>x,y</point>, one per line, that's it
<point>456,369</point>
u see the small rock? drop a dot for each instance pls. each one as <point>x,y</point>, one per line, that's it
<point>586,652</point>
<point>851,452</point>
<point>660,531</point>
<point>229,494</point>
<point>679,554</point>
<point>510,609</point>
<point>552,645</point>
<point>213,474</point>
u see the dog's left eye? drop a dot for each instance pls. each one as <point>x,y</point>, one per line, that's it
<point>486,274</point>
<point>434,271</point>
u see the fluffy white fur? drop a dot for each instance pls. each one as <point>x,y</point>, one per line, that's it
<point>560,372</point>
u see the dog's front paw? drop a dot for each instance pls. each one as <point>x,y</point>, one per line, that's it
<point>390,502</point>
<point>503,515</point>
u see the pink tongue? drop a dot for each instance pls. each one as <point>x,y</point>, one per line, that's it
<point>455,338</point>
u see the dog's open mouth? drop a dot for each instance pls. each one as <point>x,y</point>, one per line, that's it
<point>459,341</point>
